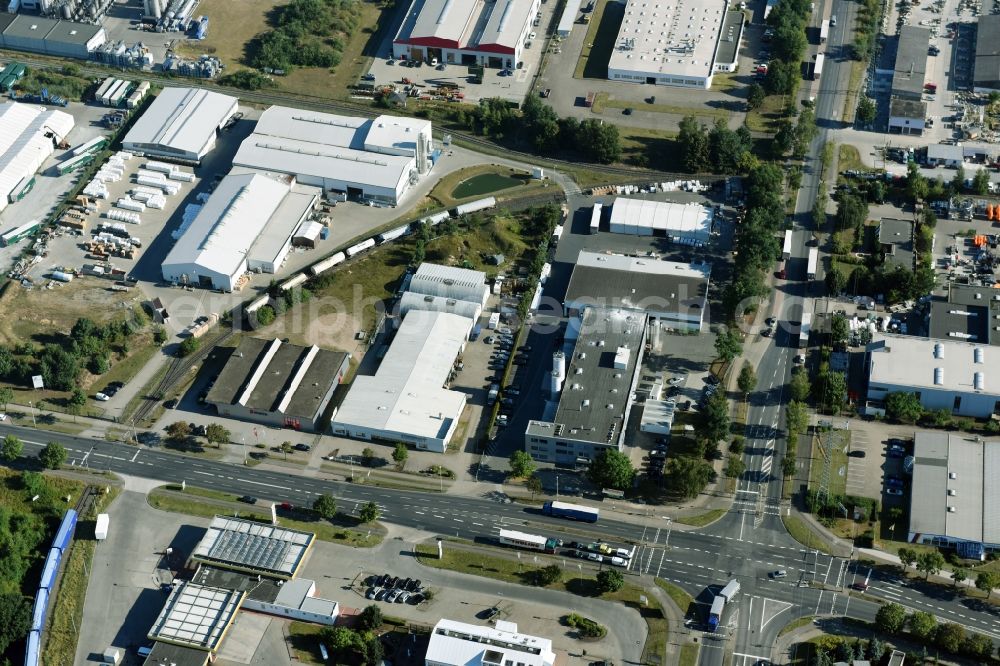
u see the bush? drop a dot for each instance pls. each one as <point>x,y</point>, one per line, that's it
<point>610,580</point>
<point>585,626</point>
<point>188,346</point>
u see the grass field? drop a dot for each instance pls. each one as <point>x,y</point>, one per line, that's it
<point>839,440</point>
<point>800,532</point>
<point>604,101</point>
<point>602,32</point>
<point>231,26</point>
<point>689,655</point>
<point>795,624</point>
<point>175,501</point>
<point>848,157</point>
<point>765,118</point>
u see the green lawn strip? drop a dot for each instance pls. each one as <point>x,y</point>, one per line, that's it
<point>598,43</point>
<point>838,460</point>
<point>459,557</point>
<point>764,118</point>
<point>67,609</point>
<point>176,502</point>
<point>50,422</point>
<point>700,112</point>
<point>679,596</point>
<point>795,624</point>
<point>125,370</point>
<point>851,98</point>
<point>689,655</point>
<point>702,519</point>
<point>799,531</point>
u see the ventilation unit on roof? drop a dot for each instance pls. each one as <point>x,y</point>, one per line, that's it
<point>952,475</point>
<point>979,381</point>
<point>939,376</point>
<point>938,350</point>
<point>977,354</point>
<point>952,492</point>
<point>951,509</point>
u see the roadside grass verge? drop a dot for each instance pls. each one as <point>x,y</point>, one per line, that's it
<point>851,98</point>
<point>795,624</point>
<point>766,116</point>
<point>676,594</point>
<point>835,444</point>
<point>689,655</point>
<point>799,531</point>
<point>67,610</point>
<point>602,32</point>
<point>702,519</point>
<point>849,157</point>
<point>209,503</point>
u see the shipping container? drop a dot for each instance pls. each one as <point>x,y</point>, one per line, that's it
<point>93,145</point>
<point>101,528</point>
<point>20,232</point>
<point>595,218</point>
<point>72,163</point>
<point>21,190</point>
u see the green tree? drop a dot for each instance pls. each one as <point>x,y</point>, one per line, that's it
<point>599,141</point>
<point>958,180</point>
<point>547,575</point>
<point>916,183</point>
<point>787,466</point>
<point>959,575</point>
<point>6,393</point>
<point>747,381</point>
<point>59,368</point>
<point>53,455</point>
<point>265,315</point>
<point>930,562</point>
<point>159,335</point>
<point>890,618</point>
<point>286,448</point>
<point>728,344</point>
<point>533,484</point>
<point>839,329</point>
<point>692,140</point>
<point>977,646</point>
<point>715,423</point>
<point>796,419</point>
<point>326,506</point>
<point>799,386</point>
<point>866,111</point>
<point>370,618</point>
<point>852,211</point>
<point>987,581</point>
<point>15,618</point>
<point>922,625</point>
<point>369,512</point>
<point>836,281</point>
<point>876,648</point>
<point>610,580</point>
<point>178,431</point>
<point>904,407</point>
<point>735,467</point>
<point>10,450</point>
<point>835,392</point>
<point>949,637</point>
<point>522,465</point>
<point>400,454</point>
<point>190,345</point>
<point>755,96</point>
<point>367,457</point>
<point>687,476</point>
<point>981,183</point>
<point>77,398</point>
<point>907,556</point>
<point>217,434</point>
<point>611,469</point>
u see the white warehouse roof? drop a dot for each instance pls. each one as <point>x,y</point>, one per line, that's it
<point>323,145</point>
<point>23,144</point>
<point>406,394</point>
<point>181,122</point>
<point>906,361</point>
<point>450,282</point>
<point>664,37</point>
<point>414,301</point>
<point>460,644</point>
<point>219,239</point>
<point>683,223</point>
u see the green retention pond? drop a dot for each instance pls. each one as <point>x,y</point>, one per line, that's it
<point>484,183</point>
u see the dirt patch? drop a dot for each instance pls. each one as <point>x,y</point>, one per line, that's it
<point>35,314</point>
<point>231,26</point>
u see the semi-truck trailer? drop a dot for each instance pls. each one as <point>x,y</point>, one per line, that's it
<point>725,596</point>
<point>571,511</point>
<point>812,263</point>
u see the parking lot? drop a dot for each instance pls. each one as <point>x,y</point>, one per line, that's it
<point>427,78</point>
<point>870,462</point>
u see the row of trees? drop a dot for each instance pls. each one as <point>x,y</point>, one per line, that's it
<point>924,627</point>
<point>537,128</point>
<point>719,149</point>
<point>931,562</point>
<point>788,20</point>
<point>325,507</point>
<point>307,33</point>
<point>610,469</point>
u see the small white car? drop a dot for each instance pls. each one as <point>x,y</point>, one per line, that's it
<point>102,397</point>
<point>800,359</point>
<point>619,561</point>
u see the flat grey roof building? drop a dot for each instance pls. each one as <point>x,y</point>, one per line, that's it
<point>967,313</point>
<point>956,490</point>
<point>896,238</point>
<point>673,292</point>
<point>248,545</point>
<point>595,399</point>
<point>911,61</point>
<point>907,108</point>
<point>986,75</point>
<point>273,382</point>
<point>196,616</point>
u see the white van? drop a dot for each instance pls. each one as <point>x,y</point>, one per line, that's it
<point>833,20</point>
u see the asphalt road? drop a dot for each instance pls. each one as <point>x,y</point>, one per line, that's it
<point>698,560</point>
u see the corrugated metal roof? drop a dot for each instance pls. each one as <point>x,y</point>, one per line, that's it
<point>450,282</point>
<point>182,120</point>
<point>406,394</point>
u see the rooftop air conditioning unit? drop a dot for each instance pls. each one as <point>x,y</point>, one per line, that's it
<point>952,492</point>
<point>951,509</point>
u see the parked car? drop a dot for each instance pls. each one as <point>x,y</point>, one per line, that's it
<point>894,482</point>
<point>392,596</point>
<point>372,592</point>
<point>382,594</point>
<point>102,397</point>
<point>594,557</point>
<point>857,453</point>
<point>303,447</point>
<point>894,491</point>
<point>413,585</point>
<point>248,499</point>
<point>618,561</point>
<point>780,573</point>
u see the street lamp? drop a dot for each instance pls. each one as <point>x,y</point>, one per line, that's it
<point>31,407</point>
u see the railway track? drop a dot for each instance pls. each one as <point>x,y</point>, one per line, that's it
<point>177,369</point>
<point>362,109</point>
